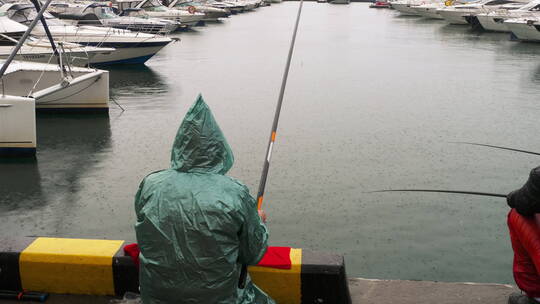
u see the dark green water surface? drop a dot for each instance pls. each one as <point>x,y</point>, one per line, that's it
<point>374,101</point>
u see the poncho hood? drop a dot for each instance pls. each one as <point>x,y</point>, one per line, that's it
<point>199,146</point>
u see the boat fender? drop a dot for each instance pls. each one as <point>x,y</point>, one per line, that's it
<point>191,9</point>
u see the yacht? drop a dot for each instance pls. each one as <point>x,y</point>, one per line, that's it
<point>525,28</point>
<point>130,47</point>
<point>155,9</point>
<point>39,50</point>
<point>466,13</point>
<point>210,13</point>
<point>429,10</point>
<point>100,14</point>
<point>234,8</point>
<point>494,21</point>
<point>407,7</point>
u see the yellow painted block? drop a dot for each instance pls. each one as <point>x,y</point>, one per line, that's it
<point>283,285</point>
<point>72,266</point>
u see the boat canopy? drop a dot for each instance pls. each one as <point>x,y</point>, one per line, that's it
<point>25,13</point>
<point>154,5</point>
<point>533,6</point>
<point>134,12</point>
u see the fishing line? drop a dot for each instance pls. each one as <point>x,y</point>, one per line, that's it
<point>496,147</point>
<point>442,191</point>
<point>273,134</point>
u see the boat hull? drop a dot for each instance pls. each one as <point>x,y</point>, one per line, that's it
<point>453,16</point>
<point>89,92</point>
<point>127,55</point>
<point>493,23</point>
<point>525,31</point>
<point>405,9</point>
<point>428,12</point>
<point>84,89</point>
<point>17,126</point>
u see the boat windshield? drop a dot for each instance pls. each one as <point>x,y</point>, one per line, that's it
<point>188,3</point>
<point>104,12</point>
<point>154,5</point>
<point>137,13</point>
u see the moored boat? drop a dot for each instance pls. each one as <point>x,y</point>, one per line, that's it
<point>525,29</point>
<point>380,4</point>
<point>130,47</point>
<point>494,21</point>
<point>58,89</point>
<point>466,13</point>
<point>210,13</point>
<point>155,9</point>
<point>100,14</point>
<point>39,50</point>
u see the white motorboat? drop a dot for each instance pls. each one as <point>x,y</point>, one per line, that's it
<point>494,21</point>
<point>210,13</point>
<point>54,88</point>
<point>100,14</point>
<point>465,14</point>
<point>234,8</point>
<point>429,10</point>
<point>130,47</point>
<point>155,9</point>
<point>407,7</point>
<point>38,50</point>
<point>248,5</point>
<point>525,29</point>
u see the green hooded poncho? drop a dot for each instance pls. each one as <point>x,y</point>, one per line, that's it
<point>195,226</point>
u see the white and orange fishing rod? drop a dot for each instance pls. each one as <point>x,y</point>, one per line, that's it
<point>273,134</point>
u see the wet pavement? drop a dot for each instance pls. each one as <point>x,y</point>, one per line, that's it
<point>364,291</point>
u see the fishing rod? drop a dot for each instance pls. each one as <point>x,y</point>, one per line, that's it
<point>496,147</point>
<point>273,134</point>
<point>442,191</point>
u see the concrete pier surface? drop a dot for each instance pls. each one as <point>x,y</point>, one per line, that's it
<point>366,291</point>
<point>369,291</point>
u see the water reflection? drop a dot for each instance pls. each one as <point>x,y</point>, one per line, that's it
<point>536,75</point>
<point>20,182</point>
<point>135,80</point>
<point>68,146</point>
<point>524,48</point>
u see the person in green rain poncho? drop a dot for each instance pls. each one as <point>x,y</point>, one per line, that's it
<point>195,226</point>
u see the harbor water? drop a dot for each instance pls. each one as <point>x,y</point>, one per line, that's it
<point>374,101</point>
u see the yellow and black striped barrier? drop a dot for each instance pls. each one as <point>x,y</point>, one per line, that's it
<point>99,267</point>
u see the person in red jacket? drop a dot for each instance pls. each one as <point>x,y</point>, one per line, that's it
<point>524,226</point>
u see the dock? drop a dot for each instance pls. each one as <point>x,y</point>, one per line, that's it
<point>372,291</point>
